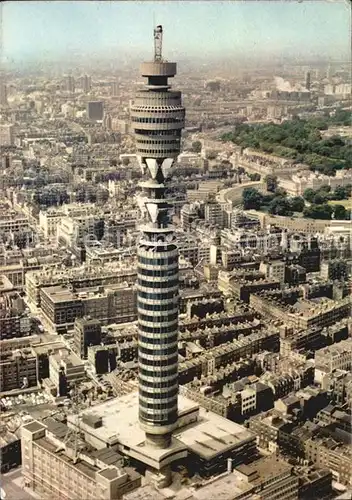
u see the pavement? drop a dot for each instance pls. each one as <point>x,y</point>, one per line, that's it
<point>12,485</point>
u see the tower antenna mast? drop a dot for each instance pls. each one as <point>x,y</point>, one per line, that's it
<point>158,43</point>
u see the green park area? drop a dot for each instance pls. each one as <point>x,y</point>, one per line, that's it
<point>346,203</point>
<point>323,203</point>
<point>300,140</point>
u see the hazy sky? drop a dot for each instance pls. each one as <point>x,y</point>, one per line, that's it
<point>54,29</point>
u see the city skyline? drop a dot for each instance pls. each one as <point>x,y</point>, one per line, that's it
<point>195,29</point>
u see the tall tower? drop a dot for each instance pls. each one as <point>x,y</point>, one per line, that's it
<point>86,83</point>
<point>3,94</point>
<point>69,84</point>
<point>157,118</point>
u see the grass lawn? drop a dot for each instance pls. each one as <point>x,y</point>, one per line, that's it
<point>346,203</point>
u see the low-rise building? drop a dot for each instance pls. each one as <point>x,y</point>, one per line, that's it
<point>313,482</point>
<point>87,332</point>
<point>14,320</point>
<point>327,452</point>
<point>269,478</point>
<point>61,305</point>
<point>10,449</point>
<point>334,357</point>
<point>18,369</point>
<point>66,370</point>
<point>274,269</point>
<point>79,277</point>
<point>304,313</point>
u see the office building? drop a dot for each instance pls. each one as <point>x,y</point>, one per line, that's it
<point>10,449</point>
<point>18,369</point>
<point>14,320</point>
<point>158,118</point>
<point>213,214</point>
<point>95,110</point>
<point>54,467</point>
<point>6,134</point>
<point>307,80</point>
<point>69,84</point>
<point>114,89</point>
<point>3,94</point>
<point>86,83</point>
<point>268,478</point>
<point>66,371</point>
<point>107,121</point>
<point>79,278</point>
<point>61,305</point>
<point>87,332</point>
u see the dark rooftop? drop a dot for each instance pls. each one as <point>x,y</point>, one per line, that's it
<point>109,473</point>
<point>107,455</point>
<point>34,426</point>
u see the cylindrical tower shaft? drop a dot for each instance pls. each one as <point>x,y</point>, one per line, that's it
<point>157,117</point>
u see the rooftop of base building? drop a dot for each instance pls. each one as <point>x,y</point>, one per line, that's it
<point>202,432</point>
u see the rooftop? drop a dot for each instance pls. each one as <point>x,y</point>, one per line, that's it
<point>146,492</point>
<point>208,437</point>
<point>223,488</point>
<point>34,426</point>
<point>264,469</point>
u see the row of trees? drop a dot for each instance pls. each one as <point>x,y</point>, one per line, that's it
<point>276,203</point>
<point>327,212</point>
<point>279,204</point>
<point>299,140</point>
<point>324,194</point>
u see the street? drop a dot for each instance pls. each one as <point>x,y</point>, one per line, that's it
<point>11,483</point>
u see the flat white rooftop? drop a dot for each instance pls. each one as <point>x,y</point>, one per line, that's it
<point>204,433</point>
<point>212,435</point>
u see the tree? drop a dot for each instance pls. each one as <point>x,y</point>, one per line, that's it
<point>319,198</point>
<point>340,212</point>
<point>309,195</point>
<point>196,147</point>
<point>324,189</point>
<point>318,212</point>
<point>271,183</point>
<point>280,206</point>
<point>251,199</point>
<point>125,161</point>
<point>341,193</point>
<point>299,140</point>
<point>297,204</point>
<point>268,198</point>
<point>254,177</point>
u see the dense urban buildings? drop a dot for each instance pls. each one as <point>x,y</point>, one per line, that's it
<point>175,268</point>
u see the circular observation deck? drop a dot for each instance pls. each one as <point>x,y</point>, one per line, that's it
<point>158,68</point>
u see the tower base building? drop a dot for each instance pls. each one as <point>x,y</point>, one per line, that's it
<point>201,440</point>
